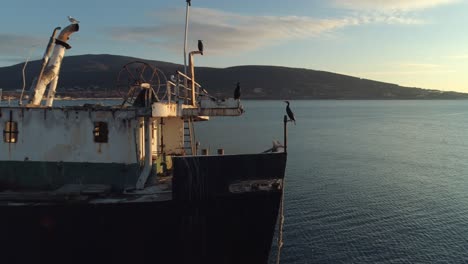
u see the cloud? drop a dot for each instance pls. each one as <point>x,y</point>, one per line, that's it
<point>16,48</point>
<point>391,5</point>
<point>223,31</point>
<point>382,75</point>
<point>408,69</point>
<point>457,57</point>
<point>391,11</point>
<point>235,33</point>
<point>11,44</point>
<point>420,65</point>
<point>403,12</point>
<point>389,19</point>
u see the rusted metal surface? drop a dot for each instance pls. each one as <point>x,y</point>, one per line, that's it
<point>165,110</point>
<point>212,112</point>
<point>212,107</point>
<point>66,134</point>
<point>66,32</point>
<point>219,103</point>
<point>256,186</point>
<point>173,131</point>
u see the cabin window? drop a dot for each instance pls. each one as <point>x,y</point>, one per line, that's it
<point>101,132</point>
<point>10,133</point>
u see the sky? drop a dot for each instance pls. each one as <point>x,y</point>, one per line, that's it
<point>415,43</point>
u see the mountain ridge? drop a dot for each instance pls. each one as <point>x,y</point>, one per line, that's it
<point>91,74</point>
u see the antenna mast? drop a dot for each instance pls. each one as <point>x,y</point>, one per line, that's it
<point>186,32</point>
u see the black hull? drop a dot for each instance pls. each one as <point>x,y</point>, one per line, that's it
<point>233,230</point>
<point>207,221</point>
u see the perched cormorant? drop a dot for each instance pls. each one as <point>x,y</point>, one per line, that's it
<point>189,3</point>
<point>200,46</point>
<point>290,113</point>
<point>237,91</point>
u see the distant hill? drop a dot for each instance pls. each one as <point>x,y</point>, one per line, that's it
<point>89,74</point>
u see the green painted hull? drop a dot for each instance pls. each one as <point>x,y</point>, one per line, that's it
<point>31,175</point>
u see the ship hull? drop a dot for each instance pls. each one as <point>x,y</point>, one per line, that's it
<point>221,209</point>
<point>238,229</point>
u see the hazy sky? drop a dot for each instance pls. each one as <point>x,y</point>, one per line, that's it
<point>417,43</point>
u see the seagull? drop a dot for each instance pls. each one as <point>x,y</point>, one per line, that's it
<point>200,46</point>
<point>73,20</point>
<point>237,92</point>
<point>275,148</point>
<point>290,113</point>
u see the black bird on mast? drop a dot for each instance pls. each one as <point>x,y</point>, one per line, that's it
<point>189,3</point>
<point>200,46</point>
<point>237,92</point>
<point>290,113</point>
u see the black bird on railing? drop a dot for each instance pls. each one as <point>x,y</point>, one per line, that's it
<point>237,92</point>
<point>200,46</point>
<point>290,113</point>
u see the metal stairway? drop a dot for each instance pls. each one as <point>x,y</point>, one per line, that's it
<point>189,137</point>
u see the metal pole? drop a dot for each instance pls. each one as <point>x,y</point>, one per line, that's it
<point>285,121</point>
<point>185,39</point>
<point>161,124</point>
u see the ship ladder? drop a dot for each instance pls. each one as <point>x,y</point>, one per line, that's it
<point>189,137</point>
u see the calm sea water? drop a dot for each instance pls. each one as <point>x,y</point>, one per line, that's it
<point>367,181</point>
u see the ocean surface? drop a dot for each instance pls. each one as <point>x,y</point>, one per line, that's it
<point>366,181</point>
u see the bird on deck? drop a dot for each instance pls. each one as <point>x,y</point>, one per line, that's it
<point>290,113</point>
<point>73,20</point>
<point>275,148</point>
<point>237,92</point>
<point>200,46</point>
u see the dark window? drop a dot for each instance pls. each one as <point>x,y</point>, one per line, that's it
<point>101,132</point>
<point>10,133</point>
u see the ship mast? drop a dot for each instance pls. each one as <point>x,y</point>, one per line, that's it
<point>186,32</point>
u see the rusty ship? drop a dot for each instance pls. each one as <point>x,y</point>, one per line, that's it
<point>125,183</point>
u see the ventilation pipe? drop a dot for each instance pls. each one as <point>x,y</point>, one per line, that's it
<point>192,75</point>
<point>49,75</point>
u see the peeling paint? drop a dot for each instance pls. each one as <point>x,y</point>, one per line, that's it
<point>49,135</point>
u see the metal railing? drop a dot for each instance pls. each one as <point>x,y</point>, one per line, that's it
<point>180,88</point>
